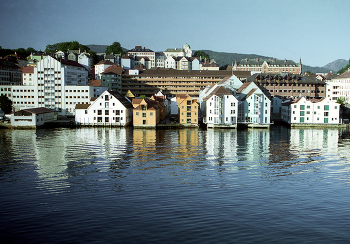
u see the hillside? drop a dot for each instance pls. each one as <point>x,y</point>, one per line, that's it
<point>223,58</point>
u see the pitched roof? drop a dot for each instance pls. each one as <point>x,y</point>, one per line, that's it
<point>94,82</point>
<point>114,69</point>
<point>28,69</point>
<point>218,91</point>
<point>244,86</point>
<point>251,92</point>
<point>71,63</point>
<point>344,75</point>
<point>122,99</point>
<point>82,106</point>
<point>105,62</point>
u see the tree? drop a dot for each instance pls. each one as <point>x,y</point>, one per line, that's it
<point>5,104</point>
<point>201,54</point>
<point>65,46</point>
<point>115,48</point>
<point>309,72</point>
<point>143,97</point>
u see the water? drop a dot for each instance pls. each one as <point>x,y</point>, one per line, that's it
<point>117,185</point>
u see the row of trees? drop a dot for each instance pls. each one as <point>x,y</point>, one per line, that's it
<point>20,51</point>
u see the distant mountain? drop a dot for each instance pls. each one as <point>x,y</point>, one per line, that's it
<point>336,65</point>
<point>223,58</point>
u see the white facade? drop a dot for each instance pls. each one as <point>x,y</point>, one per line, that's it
<point>109,109</point>
<point>58,85</point>
<point>85,60</point>
<point>100,68</point>
<point>185,51</point>
<point>339,87</point>
<point>254,105</point>
<point>170,63</point>
<point>32,117</point>
<point>302,111</point>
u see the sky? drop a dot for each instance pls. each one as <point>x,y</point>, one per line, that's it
<point>315,31</point>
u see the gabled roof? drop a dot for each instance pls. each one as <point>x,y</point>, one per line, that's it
<point>244,86</point>
<point>71,63</point>
<point>122,99</point>
<point>251,92</point>
<point>106,62</point>
<point>218,91</point>
<point>114,69</point>
<point>82,106</point>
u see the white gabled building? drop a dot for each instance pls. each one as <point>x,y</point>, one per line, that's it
<point>109,109</point>
<point>100,68</point>
<point>322,111</point>
<point>254,106</point>
<point>219,107</point>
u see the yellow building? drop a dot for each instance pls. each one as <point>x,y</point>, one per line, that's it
<point>145,113</point>
<point>188,109</point>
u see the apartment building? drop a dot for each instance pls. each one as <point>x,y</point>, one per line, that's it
<point>188,109</point>
<point>289,85</point>
<point>172,82</point>
<point>58,85</point>
<point>138,51</point>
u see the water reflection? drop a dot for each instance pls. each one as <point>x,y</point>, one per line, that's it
<point>64,157</point>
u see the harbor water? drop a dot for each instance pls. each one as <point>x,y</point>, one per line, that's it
<point>124,185</point>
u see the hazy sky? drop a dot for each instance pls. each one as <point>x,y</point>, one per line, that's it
<point>317,31</point>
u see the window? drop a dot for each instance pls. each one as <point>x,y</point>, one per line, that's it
<point>326,107</point>
<point>151,113</point>
<point>325,114</point>
<point>137,113</point>
<point>99,119</point>
<point>302,113</point>
<point>302,107</point>
<point>106,119</point>
<point>143,115</point>
<point>106,112</point>
<point>99,112</point>
<point>117,119</point>
<point>106,97</point>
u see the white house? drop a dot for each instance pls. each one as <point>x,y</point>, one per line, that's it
<point>32,117</point>
<point>85,59</point>
<point>254,106</point>
<point>100,68</point>
<point>219,108</point>
<point>170,63</point>
<point>185,51</point>
<point>307,112</point>
<point>109,109</point>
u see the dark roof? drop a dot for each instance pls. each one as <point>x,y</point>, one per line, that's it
<point>344,75</point>
<point>105,62</point>
<point>122,99</point>
<point>140,49</point>
<point>114,69</point>
<point>82,106</point>
<point>40,110</point>
<point>71,63</point>
<point>284,78</point>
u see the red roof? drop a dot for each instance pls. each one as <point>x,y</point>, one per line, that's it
<point>28,69</point>
<point>94,82</point>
